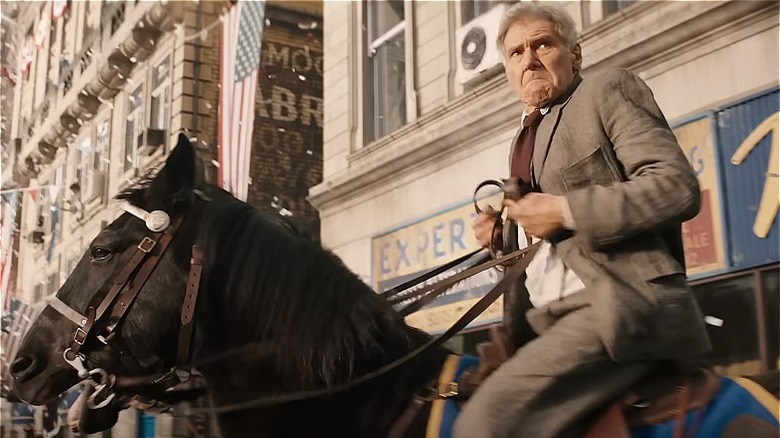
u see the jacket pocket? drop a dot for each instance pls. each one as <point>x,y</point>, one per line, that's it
<point>594,169</point>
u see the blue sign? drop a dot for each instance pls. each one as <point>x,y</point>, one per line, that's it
<point>748,135</point>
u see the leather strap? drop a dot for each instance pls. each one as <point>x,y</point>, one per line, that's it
<point>390,293</point>
<point>405,420</point>
<point>435,290</point>
<point>137,283</point>
<point>81,334</point>
<point>482,264</point>
<point>66,311</point>
<point>124,275</point>
<point>188,306</point>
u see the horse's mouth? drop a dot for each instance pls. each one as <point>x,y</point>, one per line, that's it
<point>46,386</point>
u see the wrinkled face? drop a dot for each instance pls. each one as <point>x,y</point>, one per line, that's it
<point>150,325</point>
<point>539,64</point>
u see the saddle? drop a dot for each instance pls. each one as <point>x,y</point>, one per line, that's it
<point>668,393</point>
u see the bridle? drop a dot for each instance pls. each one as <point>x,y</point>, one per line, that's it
<point>111,311</point>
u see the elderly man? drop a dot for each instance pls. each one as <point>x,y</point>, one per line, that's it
<point>608,284</point>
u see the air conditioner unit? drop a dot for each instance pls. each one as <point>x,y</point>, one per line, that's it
<point>149,140</point>
<point>36,236</point>
<point>476,45</point>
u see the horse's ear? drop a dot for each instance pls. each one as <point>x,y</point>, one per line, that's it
<point>173,185</point>
<point>180,167</point>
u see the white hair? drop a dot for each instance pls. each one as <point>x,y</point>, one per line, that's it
<point>564,24</point>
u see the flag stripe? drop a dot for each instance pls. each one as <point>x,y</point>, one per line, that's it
<point>240,63</point>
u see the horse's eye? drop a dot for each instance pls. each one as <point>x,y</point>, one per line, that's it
<point>99,254</point>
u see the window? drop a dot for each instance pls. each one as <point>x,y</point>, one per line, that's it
<point>161,93</point>
<point>471,9</point>
<point>385,91</point>
<point>97,170</point>
<point>82,163</point>
<point>134,125</point>
<point>612,6</point>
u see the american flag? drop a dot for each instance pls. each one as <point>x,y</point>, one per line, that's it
<point>242,34</point>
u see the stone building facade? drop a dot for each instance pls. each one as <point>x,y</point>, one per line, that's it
<point>418,113</point>
<point>103,90</point>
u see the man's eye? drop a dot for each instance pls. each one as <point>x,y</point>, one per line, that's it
<point>99,254</point>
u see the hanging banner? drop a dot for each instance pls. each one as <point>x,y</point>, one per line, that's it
<point>703,235</point>
<point>408,251</point>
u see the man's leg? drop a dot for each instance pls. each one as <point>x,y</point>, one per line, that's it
<point>549,385</point>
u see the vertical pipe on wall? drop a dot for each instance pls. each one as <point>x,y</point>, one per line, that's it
<point>763,339</point>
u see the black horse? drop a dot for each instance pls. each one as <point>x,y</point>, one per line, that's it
<point>312,324</point>
<point>315,323</point>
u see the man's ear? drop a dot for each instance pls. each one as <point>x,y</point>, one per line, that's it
<point>576,61</point>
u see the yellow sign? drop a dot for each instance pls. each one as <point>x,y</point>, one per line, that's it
<point>409,251</point>
<point>702,235</point>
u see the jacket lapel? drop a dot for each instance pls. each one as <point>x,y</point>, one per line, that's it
<point>546,130</point>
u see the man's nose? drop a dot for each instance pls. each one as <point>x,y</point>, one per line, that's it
<point>530,60</point>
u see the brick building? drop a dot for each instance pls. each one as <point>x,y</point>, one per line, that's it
<point>418,113</point>
<point>102,91</point>
<point>287,150</point>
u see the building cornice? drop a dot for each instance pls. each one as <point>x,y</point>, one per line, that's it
<point>453,127</point>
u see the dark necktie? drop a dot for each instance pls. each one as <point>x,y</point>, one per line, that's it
<point>524,148</point>
<point>521,168</point>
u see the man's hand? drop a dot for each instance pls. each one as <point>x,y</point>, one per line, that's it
<point>483,229</point>
<point>540,214</point>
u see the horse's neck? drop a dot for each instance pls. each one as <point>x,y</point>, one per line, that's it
<point>367,410</point>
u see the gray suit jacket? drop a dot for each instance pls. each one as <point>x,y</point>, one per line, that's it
<point>607,147</point>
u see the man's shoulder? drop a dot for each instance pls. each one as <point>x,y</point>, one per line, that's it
<point>610,79</point>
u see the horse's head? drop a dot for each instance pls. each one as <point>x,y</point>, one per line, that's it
<point>125,335</point>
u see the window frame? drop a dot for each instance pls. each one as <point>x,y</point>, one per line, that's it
<point>367,118</point>
<point>164,88</point>
<point>139,115</point>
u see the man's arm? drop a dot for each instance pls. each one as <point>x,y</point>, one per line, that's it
<point>661,187</point>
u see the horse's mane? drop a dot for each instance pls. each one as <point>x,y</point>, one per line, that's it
<point>286,289</point>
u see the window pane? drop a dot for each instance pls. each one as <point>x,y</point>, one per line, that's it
<point>128,152</point>
<point>161,91</point>
<point>771,282</point>
<point>101,143</point>
<point>159,109</point>
<point>389,87</point>
<point>735,343</point>
<point>612,6</point>
<point>384,16</point>
<point>474,8</point>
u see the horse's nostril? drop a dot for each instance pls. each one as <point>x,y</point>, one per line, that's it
<point>25,368</point>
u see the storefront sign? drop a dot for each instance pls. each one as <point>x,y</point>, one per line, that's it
<point>411,250</point>
<point>748,138</point>
<point>703,235</point>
